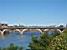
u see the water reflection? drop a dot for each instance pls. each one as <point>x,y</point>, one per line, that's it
<point>18,39</point>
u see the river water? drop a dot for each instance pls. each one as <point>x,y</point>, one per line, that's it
<point>18,39</point>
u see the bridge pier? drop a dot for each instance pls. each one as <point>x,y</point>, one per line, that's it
<point>20,31</point>
<point>60,30</point>
<point>2,31</point>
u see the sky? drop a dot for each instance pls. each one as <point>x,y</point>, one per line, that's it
<point>40,12</point>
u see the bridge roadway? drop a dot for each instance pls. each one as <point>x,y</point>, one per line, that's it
<point>33,27</point>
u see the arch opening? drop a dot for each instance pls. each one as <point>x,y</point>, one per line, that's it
<point>53,32</point>
<point>17,30</point>
<point>5,32</point>
<point>31,30</point>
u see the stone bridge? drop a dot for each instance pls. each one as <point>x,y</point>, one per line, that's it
<point>21,30</point>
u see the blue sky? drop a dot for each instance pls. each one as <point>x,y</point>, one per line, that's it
<point>33,11</point>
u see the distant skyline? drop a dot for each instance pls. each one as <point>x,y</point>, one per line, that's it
<point>38,12</point>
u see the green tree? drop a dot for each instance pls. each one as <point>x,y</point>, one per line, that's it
<point>45,42</point>
<point>41,43</point>
<point>58,43</point>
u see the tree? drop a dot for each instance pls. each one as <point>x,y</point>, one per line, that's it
<point>58,43</point>
<point>46,42</point>
<point>41,43</point>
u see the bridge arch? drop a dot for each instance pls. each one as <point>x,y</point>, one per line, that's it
<point>17,30</point>
<point>52,30</point>
<point>31,30</point>
<point>20,31</point>
<point>4,31</point>
<point>46,30</point>
<point>60,30</point>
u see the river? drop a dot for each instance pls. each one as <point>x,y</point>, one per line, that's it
<point>18,39</point>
